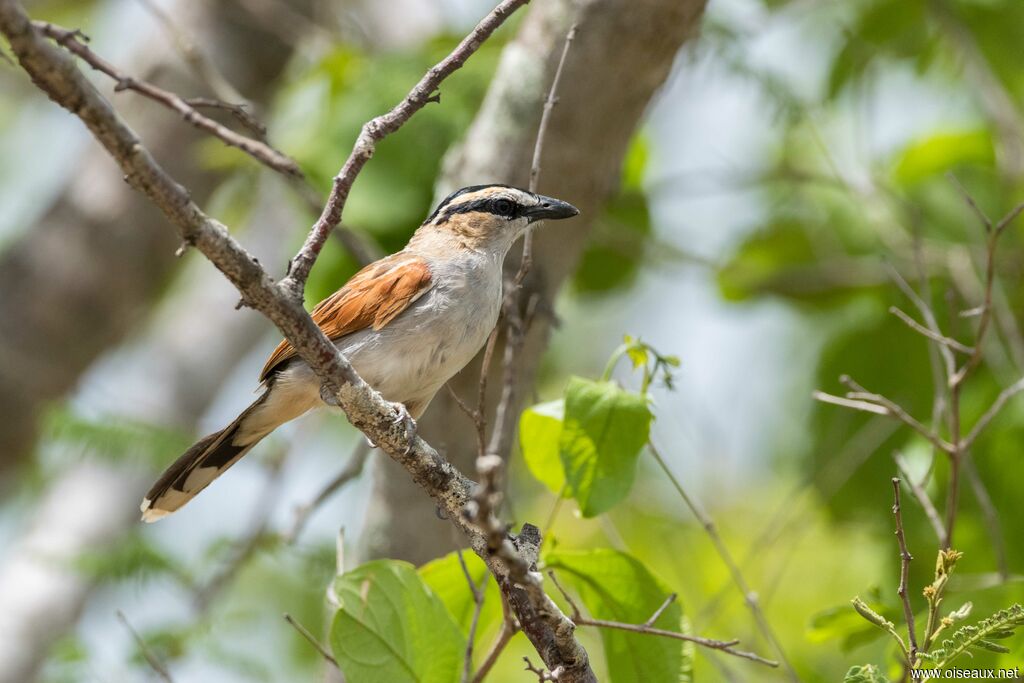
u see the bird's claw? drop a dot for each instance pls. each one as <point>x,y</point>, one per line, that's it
<point>327,395</point>
<point>402,417</point>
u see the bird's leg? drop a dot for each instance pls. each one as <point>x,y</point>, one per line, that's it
<point>403,418</point>
<point>327,395</point>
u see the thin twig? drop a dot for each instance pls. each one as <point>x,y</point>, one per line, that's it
<point>376,130</point>
<point>934,336</point>
<point>726,646</point>
<point>1001,400</point>
<point>239,111</point>
<point>896,411</point>
<point>353,468</point>
<point>202,66</point>
<point>478,593</point>
<point>150,657</point>
<point>311,639</point>
<point>927,313</point>
<point>509,628</point>
<point>262,152</point>
<point>517,323</point>
<point>921,495</point>
<point>905,558</point>
<point>538,149</point>
<point>957,379</point>
<point>749,596</point>
<point>850,403</point>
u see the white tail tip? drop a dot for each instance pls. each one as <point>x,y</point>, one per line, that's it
<point>150,515</point>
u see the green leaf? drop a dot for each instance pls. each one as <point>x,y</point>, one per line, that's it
<point>540,429</point>
<point>616,586</point>
<point>604,429</point>
<point>868,673</point>
<point>392,627</point>
<point>942,152</point>
<point>445,577</point>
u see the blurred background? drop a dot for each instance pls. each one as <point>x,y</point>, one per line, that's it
<point>795,153</point>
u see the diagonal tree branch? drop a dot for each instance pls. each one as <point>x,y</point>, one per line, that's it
<point>55,73</point>
<point>376,130</point>
<point>75,41</point>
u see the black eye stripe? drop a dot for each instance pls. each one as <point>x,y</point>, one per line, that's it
<point>501,206</point>
<point>458,193</point>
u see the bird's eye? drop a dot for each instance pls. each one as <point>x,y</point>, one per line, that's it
<point>503,207</point>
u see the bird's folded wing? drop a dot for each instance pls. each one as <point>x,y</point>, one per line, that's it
<point>374,296</point>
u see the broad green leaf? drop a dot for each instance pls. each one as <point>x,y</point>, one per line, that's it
<point>936,154</point>
<point>540,429</point>
<point>392,627</point>
<point>604,429</point>
<point>616,586</point>
<point>868,673</point>
<point>445,577</point>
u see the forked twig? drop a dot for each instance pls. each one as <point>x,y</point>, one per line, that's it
<point>74,41</point>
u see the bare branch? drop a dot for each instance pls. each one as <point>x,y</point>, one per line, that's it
<point>928,314</point>
<point>311,639</point>
<point>749,596</point>
<point>896,411</point>
<point>262,152</point>
<point>934,336</point>
<point>478,603</point>
<point>1001,400</point>
<point>921,495</point>
<point>538,149</point>
<point>376,130</point>
<point>239,111</point>
<point>850,403</point>
<point>151,658</point>
<point>201,65</point>
<point>905,558</point>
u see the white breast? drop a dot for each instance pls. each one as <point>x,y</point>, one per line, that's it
<point>413,356</point>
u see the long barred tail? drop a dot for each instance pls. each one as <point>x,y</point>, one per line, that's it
<point>207,459</point>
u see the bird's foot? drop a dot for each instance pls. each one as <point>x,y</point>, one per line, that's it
<point>402,417</point>
<point>328,397</point>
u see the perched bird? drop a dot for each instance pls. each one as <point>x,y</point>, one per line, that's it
<point>407,323</point>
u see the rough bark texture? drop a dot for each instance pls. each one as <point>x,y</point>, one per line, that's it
<point>624,50</point>
<point>74,284</point>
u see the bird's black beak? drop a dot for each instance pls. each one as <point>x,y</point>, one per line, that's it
<point>551,209</point>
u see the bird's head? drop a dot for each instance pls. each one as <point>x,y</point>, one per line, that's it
<point>493,216</point>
